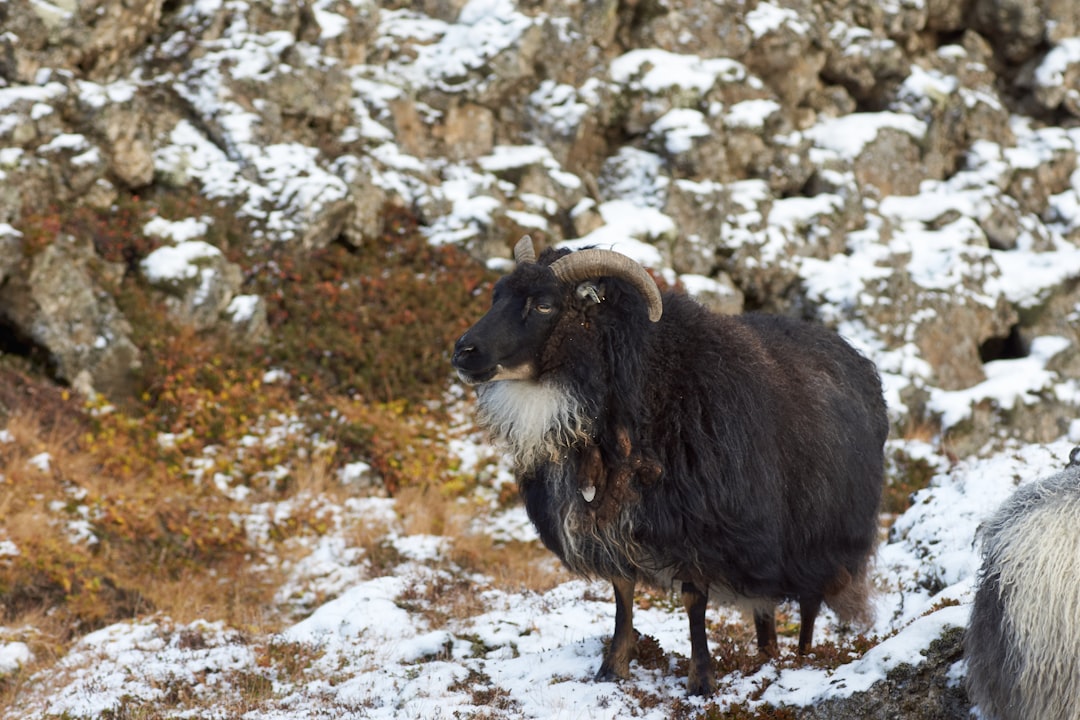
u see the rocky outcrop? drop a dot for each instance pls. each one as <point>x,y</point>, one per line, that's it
<point>907,172</point>
<point>99,39</point>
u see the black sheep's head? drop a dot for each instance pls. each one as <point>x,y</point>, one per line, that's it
<point>527,305</point>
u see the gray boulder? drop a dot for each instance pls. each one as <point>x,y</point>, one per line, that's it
<point>58,305</point>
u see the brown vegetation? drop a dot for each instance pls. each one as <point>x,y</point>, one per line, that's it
<point>125,508</point>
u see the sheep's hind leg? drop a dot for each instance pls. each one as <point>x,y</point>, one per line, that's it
<point>701,680</point>
<point>765,625</point>
<point>808,610</point>
<point>623,648</point>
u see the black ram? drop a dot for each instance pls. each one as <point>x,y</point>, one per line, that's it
<point>654,441</point>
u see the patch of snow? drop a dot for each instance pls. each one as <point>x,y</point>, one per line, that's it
<point>1007,383</point>
<point>138,661</point>
<point>100,96</point>
<point>42,462</point>
<point>178,262</point>
<point>189,155</point>
<point>14,655</point>
<point>66,142</point>
<point>354,472</point>
<point>944,258</point>
<point>767,18</point>
<point>177,231</point>
<point>624,223</point>
<point>1051,71</point>
<point>840,283</point>
<point>242,308</point>
<point>472,207</point>
<point>367,611</point>
<point>700,284</point>
<point>331,24</point>
<point>805,686</point>
<point>329,569</point>
<point>635,176</point>
<point>848,135</point>
<point>43,94</point>
<point>512,524</point>
<point>1027,277</point>
<point>750,114</point>
<point>528,220</point>
<point>420,547</point>
<point>561,107</point>
<point>793,212</point>
<point>270,377</point>
<point>923,89</point>
<point>507,157</point>
<point>656,71</point>
<point>679,128</point>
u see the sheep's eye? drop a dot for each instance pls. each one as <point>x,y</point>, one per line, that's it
<point>541,306</point>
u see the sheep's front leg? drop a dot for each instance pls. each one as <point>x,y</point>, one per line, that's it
<point>624,641</point>
<point>701,680</point>
<point>809,605</point>
<point>765,624</point>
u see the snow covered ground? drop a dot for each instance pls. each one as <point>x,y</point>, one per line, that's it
<point>369,652</point>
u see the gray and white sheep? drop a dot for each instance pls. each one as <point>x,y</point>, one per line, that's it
<point>1023,639</point>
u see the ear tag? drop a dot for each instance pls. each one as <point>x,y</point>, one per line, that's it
<point>588,291</point>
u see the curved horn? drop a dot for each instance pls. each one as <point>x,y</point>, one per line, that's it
<point>523,251</point>
<point>591,263</point>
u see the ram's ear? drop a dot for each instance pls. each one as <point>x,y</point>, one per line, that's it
<point>591,291</point>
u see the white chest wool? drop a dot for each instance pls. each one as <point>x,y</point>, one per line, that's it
<point>537,420</point>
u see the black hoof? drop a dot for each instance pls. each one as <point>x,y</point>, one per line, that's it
<point>610,674</point>
<point>702,688</point>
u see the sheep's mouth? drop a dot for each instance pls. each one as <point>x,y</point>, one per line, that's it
<point>475,378</point>
<point>525,371</point>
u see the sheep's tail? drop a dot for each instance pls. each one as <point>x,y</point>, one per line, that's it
<point>848,595</point>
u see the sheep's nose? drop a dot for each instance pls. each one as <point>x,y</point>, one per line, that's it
<point>462,349</point>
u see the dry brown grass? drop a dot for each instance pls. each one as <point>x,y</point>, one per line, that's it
<point>403,442</point>
<point>32,434</point>
<point>512,566</point>
<point>100,543</point>
<point>241,598</point>
<point>362,335</point>
<point>734,648</point>
<point>424,510</point>
<point>451,593</point>
<point>314,475</point>
<point>927,430</point>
